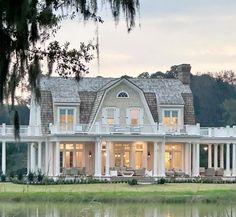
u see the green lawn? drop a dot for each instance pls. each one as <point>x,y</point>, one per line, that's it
<point>174,192</point>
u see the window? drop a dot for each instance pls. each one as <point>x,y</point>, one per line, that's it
<point>122,94</point>
<point>66,118</point>
<point>134,116</point>
<point>110,116</point>
<point>170,117</point>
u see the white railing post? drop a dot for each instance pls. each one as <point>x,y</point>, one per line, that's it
<point>227,131</point>
<point>198,128</point>
<point>3,129</point>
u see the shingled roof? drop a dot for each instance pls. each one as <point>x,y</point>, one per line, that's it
<point>157,92</point>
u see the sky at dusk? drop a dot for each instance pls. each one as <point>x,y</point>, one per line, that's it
<point>199,32</point>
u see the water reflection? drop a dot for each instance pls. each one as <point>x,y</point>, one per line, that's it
<point>114,210</point>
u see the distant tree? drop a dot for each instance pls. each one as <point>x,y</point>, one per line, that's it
<point>144,75</point>
<point>157,74</point>
<point>229,114</point>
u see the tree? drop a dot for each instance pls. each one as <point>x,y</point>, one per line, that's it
<point>26,23</point>
<point>229,111</point>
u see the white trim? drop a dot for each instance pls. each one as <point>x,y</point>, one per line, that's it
<point>171,106</point>
<point>180,116</point>
<point>122,91</point>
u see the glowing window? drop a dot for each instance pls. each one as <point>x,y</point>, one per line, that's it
<point>134,116</point>
<point>122,94</point>
<point>110,116</point>
<point>170,117</point>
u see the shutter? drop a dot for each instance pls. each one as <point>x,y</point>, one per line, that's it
<point>104,116</point>
<point>128,119</point>
<point>141,116</point>
<point>117,116</point>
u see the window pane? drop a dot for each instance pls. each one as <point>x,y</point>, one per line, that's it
<point>134,116</point>
<point>167,113</point>
<point>122,95</point>
<point>110,116</point>
<point>174,114</point>
<point>79,159</point>
<point>138,159</point>
<point>126,159</point>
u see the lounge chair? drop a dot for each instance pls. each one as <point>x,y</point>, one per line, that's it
<point>210,172</point>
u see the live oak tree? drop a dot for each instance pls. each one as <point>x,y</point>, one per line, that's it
<point>26,23</point>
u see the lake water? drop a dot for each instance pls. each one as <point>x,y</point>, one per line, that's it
<point>94,209</point>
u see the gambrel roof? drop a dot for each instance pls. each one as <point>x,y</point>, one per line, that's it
<point>89,91</point>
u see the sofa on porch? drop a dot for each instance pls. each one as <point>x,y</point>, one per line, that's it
<point>127,171</point>
<point>74,171</point>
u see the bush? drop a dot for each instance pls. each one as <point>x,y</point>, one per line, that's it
<point>3,178</point>
<point>30,177</point>
<point>162,181</point>
<point>133,182</point>
<point>20,175</point>
<point>39,176</point>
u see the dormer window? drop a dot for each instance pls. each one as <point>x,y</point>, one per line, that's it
<point>122,94</point>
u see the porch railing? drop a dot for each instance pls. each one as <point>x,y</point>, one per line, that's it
<point>156,129</point>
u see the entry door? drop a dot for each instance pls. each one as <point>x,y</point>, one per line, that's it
<point>66,119</point>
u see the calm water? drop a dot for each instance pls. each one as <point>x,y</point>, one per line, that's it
<point>114,210</point>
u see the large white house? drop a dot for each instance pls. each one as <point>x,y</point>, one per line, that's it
<point>120,127</point>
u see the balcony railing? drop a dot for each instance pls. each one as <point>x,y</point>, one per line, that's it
<point>25,130</point>
<point>156,129</point>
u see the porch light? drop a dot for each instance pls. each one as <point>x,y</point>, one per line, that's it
<point>173,147</point>
<point>149,154</point>
<point>205,148</point>
<point>90,154</point>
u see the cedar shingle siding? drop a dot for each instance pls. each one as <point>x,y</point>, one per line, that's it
<point>46,111</point>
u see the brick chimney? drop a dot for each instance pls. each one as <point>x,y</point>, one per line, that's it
<point>184,71</point>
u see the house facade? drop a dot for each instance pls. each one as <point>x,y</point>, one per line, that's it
<point>124,126</point>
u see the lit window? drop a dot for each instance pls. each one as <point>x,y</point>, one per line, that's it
<point>134,116</point>
<point>122,94</point>
<point>110,116</point>
<point>170,117</point>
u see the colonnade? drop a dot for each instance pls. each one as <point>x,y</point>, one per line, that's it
<point>230,160</point>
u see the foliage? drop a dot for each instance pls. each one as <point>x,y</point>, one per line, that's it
<point>20,175</point>
<point>133,182</point>
<point>39,176</point>
<point>3,178</point>
<point>229,114</point>
<point>161,181</point>
<point>31,177</point>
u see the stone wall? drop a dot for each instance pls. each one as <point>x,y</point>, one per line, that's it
<point>46,111</point>
<point>189,115</point>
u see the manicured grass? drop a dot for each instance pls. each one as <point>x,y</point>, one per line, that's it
<point>174,192</point>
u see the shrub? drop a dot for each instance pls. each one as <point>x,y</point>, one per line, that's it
<point>162,181</point>
<point>39,176</point>
<point>30,177</point>
<point>133,182</point>
<point>20,175</point>
<point>3,178</point>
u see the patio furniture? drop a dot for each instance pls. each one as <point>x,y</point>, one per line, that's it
<point>179,173</point>
<point>210,172</point>
<point>127,173</point>
<point>170,173</point>
<point>202,171</point>
<point>148,173</point>
<point>219,172</point>
<point>82,171</point>
<point>139,172</point>
<point>74,171</point>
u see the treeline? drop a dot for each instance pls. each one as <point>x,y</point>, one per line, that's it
<point>214,96</point>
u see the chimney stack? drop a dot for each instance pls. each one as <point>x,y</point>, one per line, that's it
<point>184,71</point>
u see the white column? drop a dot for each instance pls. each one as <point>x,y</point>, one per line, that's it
<point>145,155</point>
<point>215,156</point>
<point>209,156</point>
<point>28,158</point>
<point>32,158</point>
<point>132,156</point>
<point>46,159</point>
<point>40,156</point>
<point>222,156</point>
<point>57,159</point>
<point>227,172</point>
<point>196,159</point>
<point>162,159</point>
<point>108,158</point>
<point>155,160</point>
<point>98,158</point>
<point>4,157</point>
<point>234,161</point>
<point>186,158</point>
